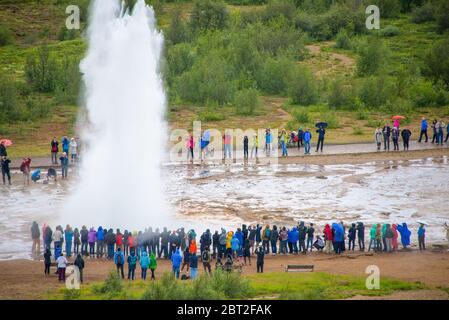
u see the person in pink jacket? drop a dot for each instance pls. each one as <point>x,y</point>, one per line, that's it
<point>395,237</point>
<point>92,238</point>
<point>190,144</point>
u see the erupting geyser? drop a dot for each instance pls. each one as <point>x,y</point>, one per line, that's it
<point>120,182</point>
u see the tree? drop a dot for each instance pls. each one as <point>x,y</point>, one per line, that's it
<point>302,88</point>
<point>373,57</point>
<point>208,15</point>
<point>178,31</point>
<point>41,72</point>
<point>437,62</point>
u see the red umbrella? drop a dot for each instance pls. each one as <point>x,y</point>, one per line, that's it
<point>397,117</point>
<point>6,142</point>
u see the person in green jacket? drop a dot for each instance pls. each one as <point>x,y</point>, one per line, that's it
<point>144,264</point>
<point>384,239</point>
<point>153,265</point>
<point>372,238</point>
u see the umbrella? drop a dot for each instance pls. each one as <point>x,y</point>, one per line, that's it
<point>397,117</point>
<point>6,142</point>
<point>321,124</point>
<point>422,222</point>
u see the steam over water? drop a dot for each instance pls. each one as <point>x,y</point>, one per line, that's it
<point>120,176</point>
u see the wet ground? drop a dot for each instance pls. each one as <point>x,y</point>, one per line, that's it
<point>407,190</point>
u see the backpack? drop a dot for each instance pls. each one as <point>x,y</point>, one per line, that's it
<point>119,259</point>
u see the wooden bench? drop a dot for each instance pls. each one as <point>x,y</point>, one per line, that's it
<point>299,268</point>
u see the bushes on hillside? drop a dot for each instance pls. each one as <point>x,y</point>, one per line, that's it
<point>372,57</point>
<point>208,15</point>
<point>272,77</point>
<point>442,15</point>
<point>423,14</point>
<point>302,87</point>
<point>437,62</point>
<point>388,8</point>
<point>246,101</point>
<point>178,31</point>
<point>41,71</point>
<point>375,91</point>
<point>343,41</point>
<point>389,31</point>
<point>340,94</point>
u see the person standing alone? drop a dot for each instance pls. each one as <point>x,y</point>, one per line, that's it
<point>54,150</point>
<point>321,132</point>
<point>36,237</point>
<point>423,130</point>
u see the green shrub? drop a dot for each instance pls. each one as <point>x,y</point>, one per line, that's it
<point>373,57</point>
<point>113,286</point>
<point>68,81</point>
<point>362,114</point>
<point>273,76</point>
<point>437,62</point>
<point>343,41</point>
<point>178,31</point>
<point>389,31</point>
<point>279,8</point>
<point>376,91</point>
<point>331,119</point>
<point>210,116</point>
<point>357,131</point>
<point>208,15</point>
<point>231,284</point>
<point>41,73</point>
<point>302,87</point>
<point>246,101</point>
<point>301,116</point>
<point>424,94</point>
<point>339,95</point>
<point>373,123</point>
<point>388,8</point>
<point>442,15</point>
<point>180,58</point>
<point>167,288</point>
<point>71,294</point>
<point>5,36</point>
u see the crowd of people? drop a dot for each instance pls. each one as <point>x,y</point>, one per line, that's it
<point>229,249</point>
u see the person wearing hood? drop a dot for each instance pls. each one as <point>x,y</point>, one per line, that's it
<point>144,264</point>
<point>351,237</point>
<point>246,252</point>
<point>165,239</point>
<point>73,149</point>
<point>283,237</point>
<point>293,237</point>
<point>405,234</point>
<point>84,235</point>
<point>185,259</point>
<point>47,262</point>
<point>274,236</point>
<point>110,241</point>
<point>76,241</point>
<point>328,238</point>
<point>222,243</point>
<point>239,235</point>
<point>173,241</point>
<point>176,260</point>
<point>153,265</point>
<point>92,237</point>
<point>422,237</point>
<point>119,261</point>
<point>206,258</point>
<point>395,237</point>
<point>321,133</point>
<point>64,165</point>
<point>68,234</point>
<point>389,237</point>
<point>118,239</point>
<point>372,235</point>
<point>79,262</point>
<point>61,261</point>
<point>36,237</point>
<point>307,138</point>
<point>379,237</point>
<point>338,237</point>
<point>54,144</point>
<point>215,244</point>
<point>266,239</point>
<point>302,232</point>
<point>205,240</point>
<point>6,171</point>
<point>235,245</point>
<point>361,236</point>
<point>132,262</point>
<point>310,236</point>
<point>260,252</point>
<point>252,238</point>
<point>100,242</point>
<point>229,237</point>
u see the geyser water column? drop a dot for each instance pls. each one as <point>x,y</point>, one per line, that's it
<point>120,182</point>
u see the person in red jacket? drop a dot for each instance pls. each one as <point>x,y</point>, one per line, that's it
<point>25,167</point>
<point>119,240</point>
<point>328,238</point>
<point>131,242</point>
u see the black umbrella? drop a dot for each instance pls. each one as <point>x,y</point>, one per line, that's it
<point>321,125</point>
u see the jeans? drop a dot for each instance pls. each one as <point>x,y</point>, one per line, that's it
<point>295,247</point>
<point>309,242</point>
<point>176,271</point>
<point>110,251</point>
<point>227,151</point>
<point>283,248</point>
<point>91,248</point>
<point>164,250</point>
<point>193,273</point>
<point>422,245</point>
<point>54,156</point>
<point>284,149</point>
<point>351,243</point>
<point>259,267</point>
<point>100,248</point>
<point>64,170</point>
<point>361,244</point>
<point>386,142</point>
<point>131,272</point>
<point>302,245</point>
<point>68,249</point>
<point>273,246</point>
<point>84,248</point>
<point>6,174</point>
<point>266,246</point>
<point>144,273</point>
<point>306,147</point>
<point>245,152</point>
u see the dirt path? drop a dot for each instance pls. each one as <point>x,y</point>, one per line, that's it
<point>325,62</point>
<point>24,279</point>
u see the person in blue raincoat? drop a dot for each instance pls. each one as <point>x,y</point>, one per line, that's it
<point>235,245</point>
<point>68,234</point>
<point>293,238</point>
<point>338,237</point>
<point>100,242</point>
<point>239,235</point>
<point>144,264</point>
<point>176,260</point>
<point>405,234</point>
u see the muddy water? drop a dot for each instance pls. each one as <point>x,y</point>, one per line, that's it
<point>213,196</point>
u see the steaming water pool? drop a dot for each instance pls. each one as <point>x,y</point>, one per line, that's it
<point>213,196</point>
